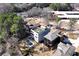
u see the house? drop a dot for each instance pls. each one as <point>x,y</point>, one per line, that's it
<point>52,38</point>
<point>39,33</point>
<point>64,50</point>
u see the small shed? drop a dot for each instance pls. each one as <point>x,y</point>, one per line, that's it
<point>52,38</point>
<point>52,35</point>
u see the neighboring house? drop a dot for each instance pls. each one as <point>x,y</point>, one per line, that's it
<point>52,38</point>
<point>39,33</point>
<point>64,50</point>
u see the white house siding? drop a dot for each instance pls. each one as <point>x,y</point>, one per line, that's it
<point>36,36</point>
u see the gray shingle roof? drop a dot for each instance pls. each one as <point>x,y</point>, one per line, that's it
<point>67,50</point>
<point>57,53</point>
<point>64,50</point>
<point>52,35</point>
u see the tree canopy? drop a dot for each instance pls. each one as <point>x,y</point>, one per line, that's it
<point>10,24</point>
<point>61,7</point>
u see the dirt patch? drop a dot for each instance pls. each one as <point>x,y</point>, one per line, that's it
<point>73,36</point>
<point>42,50</point>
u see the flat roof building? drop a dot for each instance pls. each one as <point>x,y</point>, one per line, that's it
<point>66,14</point>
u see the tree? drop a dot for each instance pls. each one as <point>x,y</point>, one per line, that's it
<point>5,7</point>
<point>61,7</point>
<point>55,6</point>
<point>10,25</point>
